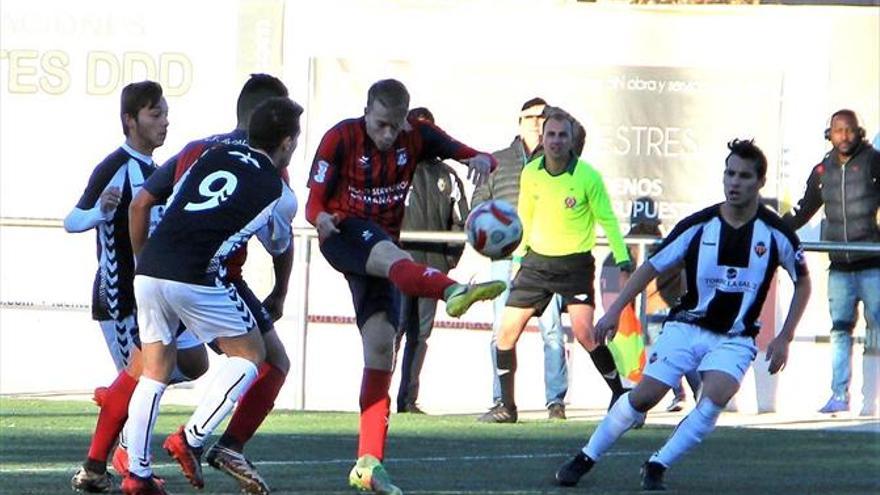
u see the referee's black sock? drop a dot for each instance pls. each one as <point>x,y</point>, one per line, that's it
<point>506,370</point>
<point>604,362</point>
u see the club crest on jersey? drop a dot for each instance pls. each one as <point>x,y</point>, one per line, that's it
<point>760,248</point>
<point>653,357</point>
<point>402,157</point>
<point>441,184</point>
<point>321,173</point>
<point>570,202</point>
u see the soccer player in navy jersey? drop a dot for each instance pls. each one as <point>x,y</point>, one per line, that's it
<point>358,183</point>
<point>103,206</point>
<point>231,193</point>
<point>730,252</point>
<point>227,454</point>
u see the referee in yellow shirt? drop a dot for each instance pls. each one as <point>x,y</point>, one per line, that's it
<point>561,200</point>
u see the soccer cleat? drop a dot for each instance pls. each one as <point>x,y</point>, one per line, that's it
<point>100,395</point>
<point>411,409</point>
<point>556,411</point>
<point>499,414</point>
<point>652,476</point>
<point>368,475</point>
<point>91,482</point>
<point>461,296</point>
<point>135,485</point>
<point>868,410</point>
<point>120,464</point>
<point>572,471</point>
<point>834,406</point>
<point>189,458</point>
<point>676,405</point>
<point>236,465</point>
<point>120,460</point>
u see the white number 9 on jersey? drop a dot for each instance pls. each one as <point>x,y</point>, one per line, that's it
<point>215,196</point>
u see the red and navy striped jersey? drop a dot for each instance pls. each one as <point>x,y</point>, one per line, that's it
<point>350,177</point>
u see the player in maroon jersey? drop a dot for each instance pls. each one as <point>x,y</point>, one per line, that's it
<point>359,180</point>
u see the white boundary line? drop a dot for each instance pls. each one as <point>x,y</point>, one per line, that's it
<point>71,467</point>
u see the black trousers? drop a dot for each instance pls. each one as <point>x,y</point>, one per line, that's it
<point>416,322</point>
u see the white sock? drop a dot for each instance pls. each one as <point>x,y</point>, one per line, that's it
<point>142,413</point>
<point>620,418</point>
<point>691,431</point>
<point>233,379</point>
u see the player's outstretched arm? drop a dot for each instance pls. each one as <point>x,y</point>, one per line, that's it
<point>606,327</point>
<point>139,219</point>
<point>79,220</point>
<point>479,168</point>
<point>777,351</point>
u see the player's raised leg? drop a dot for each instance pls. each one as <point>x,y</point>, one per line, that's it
<point>417,280</point>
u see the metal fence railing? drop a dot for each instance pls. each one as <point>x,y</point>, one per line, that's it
<point>299,284</point>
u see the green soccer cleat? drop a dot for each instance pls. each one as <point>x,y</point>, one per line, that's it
<point>368,475</point>
<point>460,297</point>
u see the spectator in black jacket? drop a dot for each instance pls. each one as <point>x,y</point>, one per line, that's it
<point>847,184</point>
<point>436,202</point>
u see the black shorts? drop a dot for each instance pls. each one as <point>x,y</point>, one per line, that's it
<point>347,253</point>
<point>571,276</point>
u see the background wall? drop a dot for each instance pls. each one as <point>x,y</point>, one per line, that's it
<point>772,72</point>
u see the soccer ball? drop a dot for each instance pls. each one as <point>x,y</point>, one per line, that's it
<point>494,229</point>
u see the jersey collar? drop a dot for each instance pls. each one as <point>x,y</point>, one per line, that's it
<point>572,163</point>
<point>137,154</point>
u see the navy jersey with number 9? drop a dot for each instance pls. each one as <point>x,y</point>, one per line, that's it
<point>231,193</point>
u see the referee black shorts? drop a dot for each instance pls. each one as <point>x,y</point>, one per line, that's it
<point>571,276</point>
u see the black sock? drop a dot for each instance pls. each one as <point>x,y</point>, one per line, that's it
<point>227,441</point>
<point>506,369</point>
<point>95,466</point>
<point>604,362</point>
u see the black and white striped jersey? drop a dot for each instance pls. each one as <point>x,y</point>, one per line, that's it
<point>126,169</point>
<point>728,270</point>
<point>231,193</point>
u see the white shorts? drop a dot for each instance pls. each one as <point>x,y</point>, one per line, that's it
<point>186,340</point>
<point>683,347</point>
<point>207,312</point>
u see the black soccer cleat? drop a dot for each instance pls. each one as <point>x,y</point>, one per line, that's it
<point>652,476</point>
<point>572,471</point>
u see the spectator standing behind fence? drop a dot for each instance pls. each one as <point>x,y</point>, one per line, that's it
<point>103,206</point>
<point>847,183</point>
<point>436,202</point>
<point>503,184</point>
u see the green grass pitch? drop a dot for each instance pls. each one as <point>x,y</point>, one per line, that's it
<point>42,443</point>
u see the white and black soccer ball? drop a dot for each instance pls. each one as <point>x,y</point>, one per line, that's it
<point>494,229</point>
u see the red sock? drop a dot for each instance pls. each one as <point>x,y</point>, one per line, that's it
<point>255,404</point>
<point>111,419</point>
<point>418,280</point>
<point>375,407</point>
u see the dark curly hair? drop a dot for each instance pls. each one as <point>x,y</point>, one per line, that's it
<point>747,150</point>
